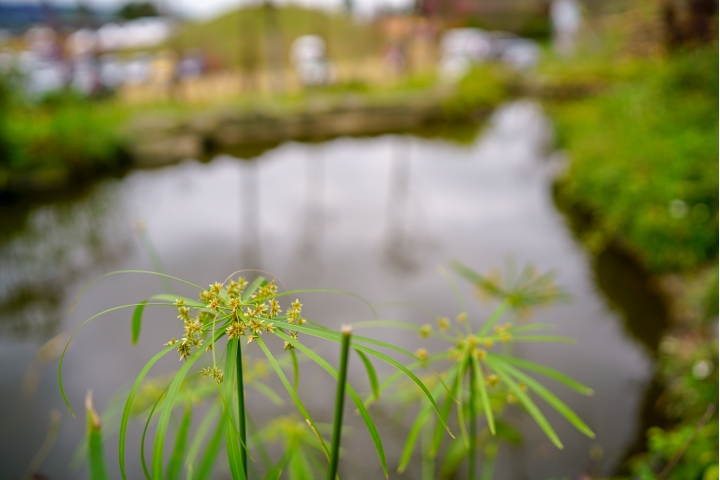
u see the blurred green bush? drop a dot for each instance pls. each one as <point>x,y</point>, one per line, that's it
<point>644,162</point>
<point>57,140</point>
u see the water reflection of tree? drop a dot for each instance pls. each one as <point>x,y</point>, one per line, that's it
<point>401,247</point>
<point>58,244</point>
<point>250,251</point>
<point>309,258</point>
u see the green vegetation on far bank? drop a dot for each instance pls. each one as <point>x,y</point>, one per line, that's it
<point>644,162</point>
<point>57,142</point>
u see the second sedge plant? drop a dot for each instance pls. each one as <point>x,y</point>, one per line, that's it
<point>477,382</point>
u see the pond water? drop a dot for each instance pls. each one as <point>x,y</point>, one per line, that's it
<point>375,216</point>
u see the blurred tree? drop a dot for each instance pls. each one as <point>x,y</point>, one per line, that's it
<point>133,10</point>
<point>688,22</point>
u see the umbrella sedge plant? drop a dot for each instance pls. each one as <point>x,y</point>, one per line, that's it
<point>227,318</point>
<point>478,382</point>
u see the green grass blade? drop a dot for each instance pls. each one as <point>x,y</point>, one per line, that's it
<point>484,398</point>
<point>137,322</point>
<point>293,394</point>
<point>144,433</point>
<point>118,272</point>
<point>342,386</point>
<point>336,338</point>
<point>181,440</point>
<point>534,326</point>
<point>529,405</point>
<point>494,318</point>
<point>233,441</point>
<point>454,287</point>
<point>255,439</point>
<point>62,356</point>
<point>267,392</point>
<point>200,434</point>
<point>547,371</point>
<point>465,272</point>
<point>173,298</point>
<point>392,378</point>
<point>165,413</point>
<point>403,325</point>
<point>542,338</point>
<point>97,468</point>
<point>369,424</point>
<point>128,405</point>
<point>448,403</point>
<point>412,437</point>
<point>461,404</point>
<point>412,376</point>
<point>208,460</point>
<point>551,399</point>
<point>296,370</point>
<point>371,373</point>
<point>252,288</point>
<point>328,290</point>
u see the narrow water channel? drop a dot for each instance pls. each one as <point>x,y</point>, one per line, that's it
<point>375,216</point>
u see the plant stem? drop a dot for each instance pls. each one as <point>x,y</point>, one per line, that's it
<point>473,434</point>
<point>241,409</point>
<point>339,402</point>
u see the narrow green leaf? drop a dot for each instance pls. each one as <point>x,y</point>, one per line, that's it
<point>97,468</point>
<point>181,440</point>
<point>551,399</point>
<point>137,322</point>
<point>496,315</point>
<point>165,413</point>
<point>547,371</point>
<point>170,298</point>
<point>465,272</point>
<point>328,290</point>
<point>529,405</point>
<point>336,338</point>
<point>369,424</point>
<point>403,325</point>
<point>232,439</point>
<point>293,394</point>
<point>200,434</point>
<point>412,376</point>
<point>484,398</point>
<point>542,338</point>
<point>296,370</point>
<point>252,288</point>
<point>454,287</point>
<point>448,402</point>
<point>128,405</point>
<point>412,437</point>
<point>392,378</point>
<point>268,392</point>
<point>371,373</point>
<point>207,462</point>
<point>118,272</point>
<point>144,433</point>
<point>461,403</point>
<point>62,356</point>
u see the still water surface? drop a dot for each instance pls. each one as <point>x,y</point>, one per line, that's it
<point>375,216</point>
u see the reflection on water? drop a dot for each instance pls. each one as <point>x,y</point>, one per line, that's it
<point>58,246</point>
<point>374,216</point>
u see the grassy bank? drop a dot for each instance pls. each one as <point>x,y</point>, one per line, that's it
<point>57,143</point>
<point>643,175</point>
<point>644,163</point>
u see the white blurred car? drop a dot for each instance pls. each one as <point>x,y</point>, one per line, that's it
<point>461,48</point>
